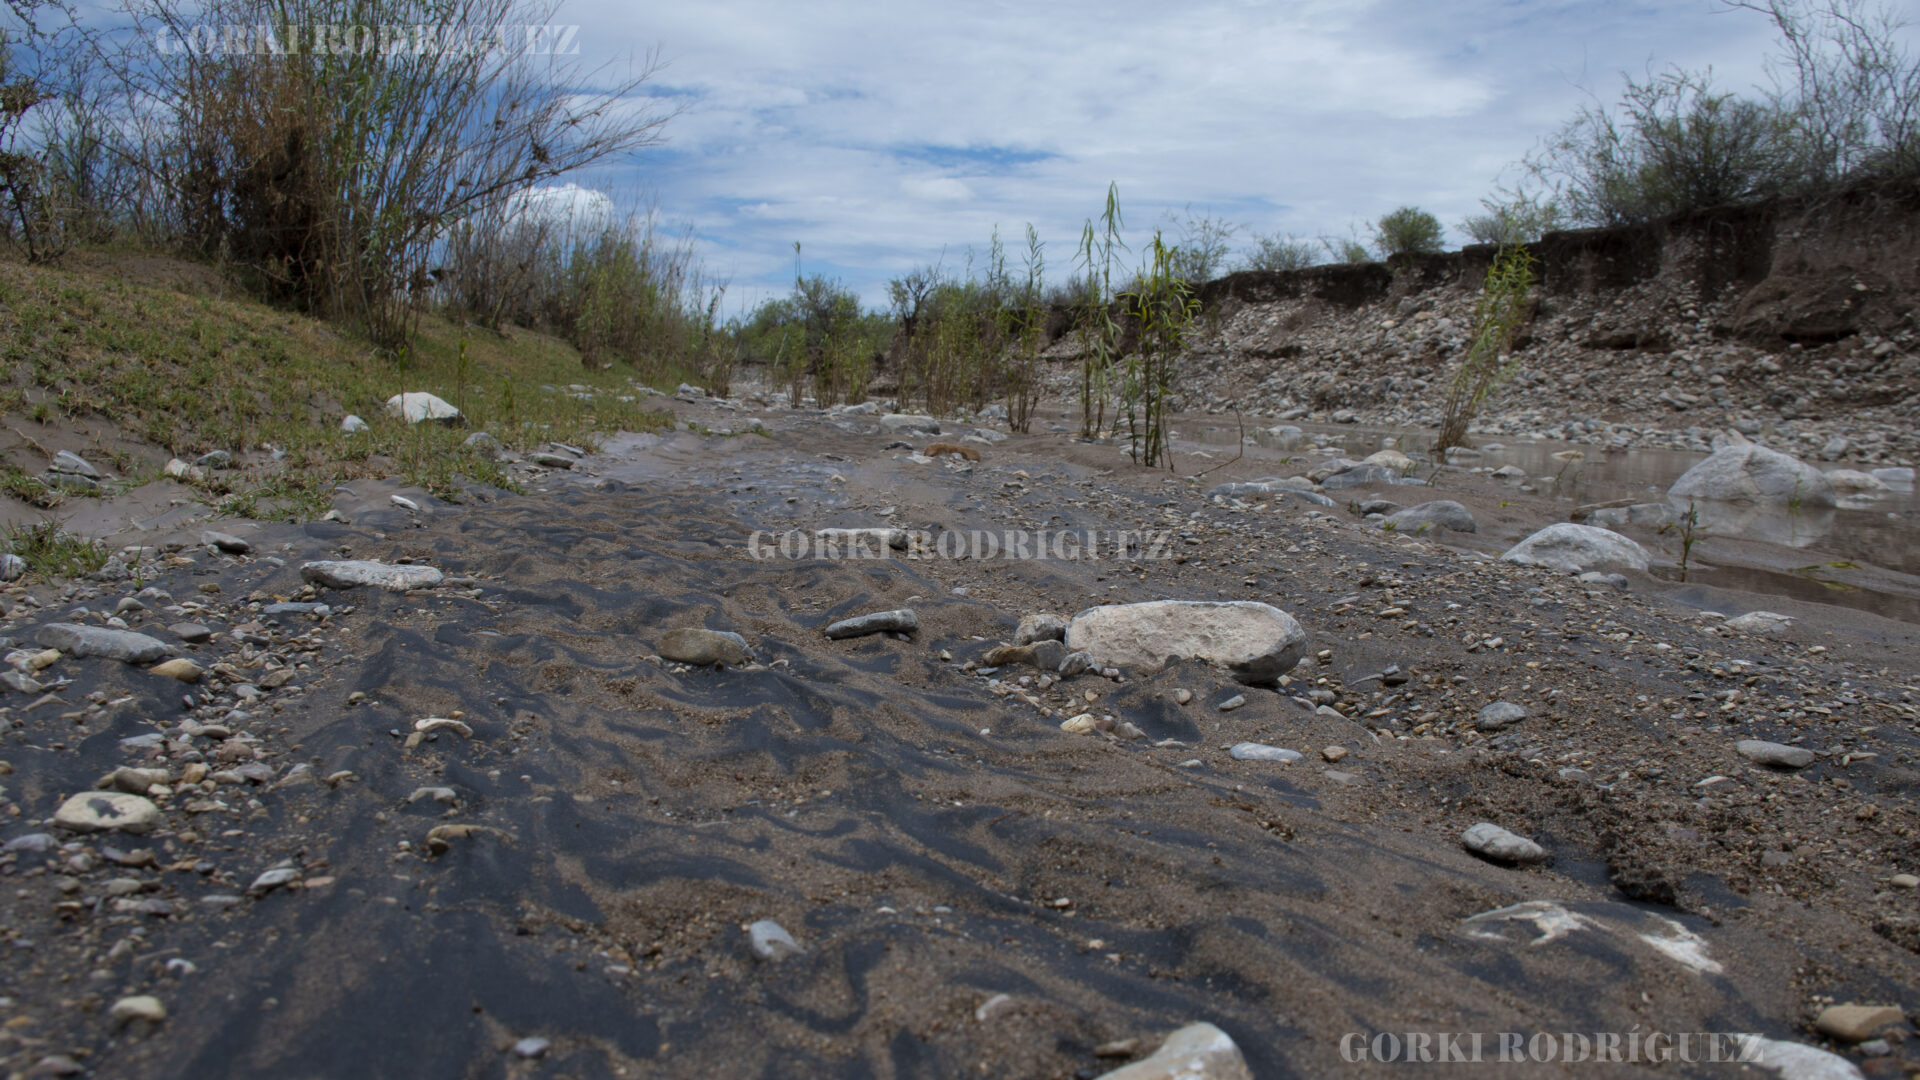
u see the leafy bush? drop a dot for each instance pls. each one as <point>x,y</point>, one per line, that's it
<point>1277,252</point>
<point>1407,231</point>
<point>1205,243</point>
<point>1518,219</point>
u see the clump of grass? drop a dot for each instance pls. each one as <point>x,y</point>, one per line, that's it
<point>51,551</point>
<point>27,487</point>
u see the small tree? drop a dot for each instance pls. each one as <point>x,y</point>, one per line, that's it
<point>1163,306</point>
<point>1518,219</point>
<point>1205,243</point>
<point>1498,315</point>
<point>1407,231</point>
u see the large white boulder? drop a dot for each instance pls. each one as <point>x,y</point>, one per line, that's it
<point>1257,642</point>
<point>1754,474</point>
<point>419,405</point>
<point>1195,1052</point>
<point>1572,549</point>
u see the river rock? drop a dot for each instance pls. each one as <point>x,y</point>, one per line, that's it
<point>103,811</point>
<point>12,567</point>
<point>1761,752</point>
<point>138,1007</point>
<point>348,573</point>
<point>1391,459</point>
<point>178,668</point>
<point>1040,627</point>
<point>353,425</point>
<point>1427,516</point>
<point>908,423</point>
<point>1045,655</point>
<point>1760,622</point>
<point>902,621</point>
<point>1257,642</point>
<point>1490,841</point>
<point>418,406</point>
<point>692,645</point>
<point>770,941</point>
<point>1857,1023</point>
<point>1572,549</point>
<point>1253,751</point>
<point>122,645</point>
<point>226,542</point>
<point>1853,482</point>
<point>1498,715</point>
<point>1356,475</point>
<point>1899,479</point>
<point>1754,474</point>
<point>66,461</point>
<point>1195,1052</point>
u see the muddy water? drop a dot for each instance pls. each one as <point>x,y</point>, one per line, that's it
<point>1811,554</point>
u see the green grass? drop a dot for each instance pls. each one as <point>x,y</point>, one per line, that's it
<point>27,487</point>
<point>51,551</point>
<point>190,373</point>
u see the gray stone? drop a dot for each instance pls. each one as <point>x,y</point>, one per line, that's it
<point>1498,715</point>
<point>531,1047</point>
<point>1573,549</point>
<point>122,645</point>
<point>101,811</point>
<point>1490,841</point>
<point>1761,752</point>
<point>1233,703</point>
<point>1764,623</point>
<point>1438,514</point>
<point>899,423</point>
<point>551,460</point>
<point>12,567</point>
<point>139,1007</point>
<point>902,621</point>
<point>353,424</point>
<point>1853,482</point>
<point>348,573</point>
<point>226,542</point>
<point>1075,663</point>
<point>691,645</point>
<point>1195,1052</point>
<point>37,843</point>
<point>1754,474</point>
<point>73,464</point>
<point>1253,751</point>
<point>484,442</point>
<point>419,406</point>
<point>296,607</point>
<point>1595,577</point>
<point>272,879</point>
<point>1900,479</point>
<point>214,459</point>
<point>1358,475</point>
<point>1040,627</point>
<point>21,681</point>
<point>1256,642</point>
<point>770,941</point>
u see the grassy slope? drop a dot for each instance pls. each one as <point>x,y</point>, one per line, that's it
<point>190,372</point>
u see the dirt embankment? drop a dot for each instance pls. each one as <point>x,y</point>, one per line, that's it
<point>1796,321</point>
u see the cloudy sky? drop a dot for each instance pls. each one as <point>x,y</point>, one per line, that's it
<point>885,136</point>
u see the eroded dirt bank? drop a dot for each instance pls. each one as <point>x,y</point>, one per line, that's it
<point>925,831</point>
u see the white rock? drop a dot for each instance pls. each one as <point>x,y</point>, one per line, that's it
<point>1256,642</point>
<point>1571,549</point>
<point>1253,751</point>
<point>353,424</point>
<point>12,567</point>
<point>1392,459</point>
<point>1795,1061</point>
<point>139,1007</point>
<point>1900,479</point>
<point>908,422</point>
<point>103,811</point>
<point>1493,842</point>
<point>347,573</point>
<point>417,406</point>
<point>1195,1052</point>
<point>1760,622</point>
<point>1762,752</point>
<point>1853,482</point>
<point>771,941</point>
<point>1040,627</point>
<point>1754,474</point>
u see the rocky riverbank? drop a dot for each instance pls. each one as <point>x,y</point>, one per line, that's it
<point>504,818</point>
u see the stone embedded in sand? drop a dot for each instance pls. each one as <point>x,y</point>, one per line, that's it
<point>431,724</point>
<point>1392,459</point>
<point>1074,663</point>
<point>1045,655</point>
<point>1233,703</point>
<point>66,461</point>
<point>902,621</point>
<point>1498,715</point>
<point>1082,724</point>
<point>1761,752</point>
<point>770,941</point>
<point>1760,622</point>
<point>131,781</point>
<point>104,811</point>
<point>1040,627</point>
<point>1256,642</point>
<point>1573,549</point>
<point>178,668</point>
<point>226,542</point>
<point>1493,842</point>
<point>1253,751</point>
<point>692,645</point>
<point>348,573</point>
<point>1429,516</point>
<point>1754,474</point>
<point>140,1007</point>
<point>1853,482</point>
<point>898,423</point>
<point>122,645</point>
<point>551,460</point>
<point>418,406</point>
<point>1195,1052</point>
<point>1857,1023</point>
